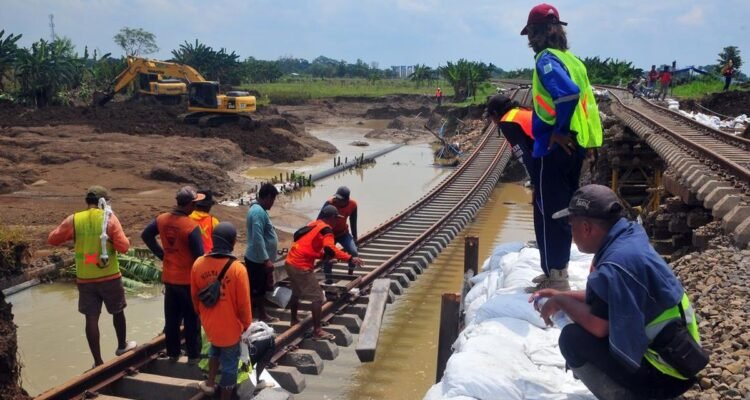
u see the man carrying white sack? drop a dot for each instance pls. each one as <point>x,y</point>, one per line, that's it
<point>634,333</point>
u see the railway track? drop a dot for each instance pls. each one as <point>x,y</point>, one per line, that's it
<point>706,166</point>
<point>398,250</point>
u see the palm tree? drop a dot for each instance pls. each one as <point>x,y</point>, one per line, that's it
<point>465,77</point>
<point>8,56</point>
<point>421,74</point>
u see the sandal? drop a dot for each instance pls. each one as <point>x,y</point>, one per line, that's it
<point>323,335</point>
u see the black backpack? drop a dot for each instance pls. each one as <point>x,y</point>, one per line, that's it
<point>210,294</point>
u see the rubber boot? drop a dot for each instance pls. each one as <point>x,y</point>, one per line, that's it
<point>601,385</point>
<point>557,279</point>
<point>328,271</point>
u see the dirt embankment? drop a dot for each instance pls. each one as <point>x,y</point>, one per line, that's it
<point>10,369</point>
<point>731,104</point>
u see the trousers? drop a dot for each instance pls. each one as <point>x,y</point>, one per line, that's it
<point>178,309</point>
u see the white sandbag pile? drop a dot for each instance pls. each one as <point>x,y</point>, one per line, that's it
<point>505,351</point>
<point>735,125</point>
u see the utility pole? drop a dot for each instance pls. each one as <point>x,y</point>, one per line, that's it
<point>53,36</point>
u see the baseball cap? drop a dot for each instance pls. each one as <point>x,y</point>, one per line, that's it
<point>208,200</point>
<point>97,192</point>
<point>542,14</point>
<point>342,193</point>
<point>594,201</point>
<point>329,211</point>
<point>187,194</point>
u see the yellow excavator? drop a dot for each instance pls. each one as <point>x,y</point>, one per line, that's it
<point>206,106</point>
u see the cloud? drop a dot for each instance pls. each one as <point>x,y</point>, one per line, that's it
<point>693,17</point>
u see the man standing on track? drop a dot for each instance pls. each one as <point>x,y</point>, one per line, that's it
<point>261,249</point>
<point>313,242</point>
<point>182,245</point>
<point>565,123</point>
<point>347,208</point>
<point>97,275</point>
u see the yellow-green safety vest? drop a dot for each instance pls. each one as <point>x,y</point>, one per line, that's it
<point>585,121</point>
<point>88,229</point>
<point>654,327</point>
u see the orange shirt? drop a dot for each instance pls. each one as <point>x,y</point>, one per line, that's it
<point>174,231</point>
<point>231,315</point>
<point>312,246</point>
<point>206,223</point>
<point>341,227</point>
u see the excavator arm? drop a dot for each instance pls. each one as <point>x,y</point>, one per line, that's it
<point>137,66</point>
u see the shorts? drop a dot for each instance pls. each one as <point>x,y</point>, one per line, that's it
<point>258,275</point>
<point>92,295</point>
<point>305,285</point>
<point>229,360</point>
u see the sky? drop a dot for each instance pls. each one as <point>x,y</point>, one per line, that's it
<point>397,32</point>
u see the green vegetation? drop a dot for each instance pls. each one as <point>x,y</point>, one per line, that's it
<point>136,41</point>
<point>609,71</point>
<point>730,53</point>
<point>296,91</point>
<point>465,77</point>
<point>698,88</point>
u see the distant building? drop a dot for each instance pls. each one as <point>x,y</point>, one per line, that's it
<point>402,71</point>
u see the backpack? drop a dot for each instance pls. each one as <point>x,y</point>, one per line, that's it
<point>210,294</point>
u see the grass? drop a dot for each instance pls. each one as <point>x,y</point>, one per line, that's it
<point>14,246</point>
<point>698,88</point>
<point>297,91</point>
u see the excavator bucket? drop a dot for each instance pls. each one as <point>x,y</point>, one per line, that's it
<point>102,98</point>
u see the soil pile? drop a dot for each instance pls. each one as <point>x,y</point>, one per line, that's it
<point>10,370</point>
<point>733,103</point>
<point>716,281</point>
<point>268,136</point>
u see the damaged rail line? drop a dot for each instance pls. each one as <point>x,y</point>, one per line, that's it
<point>706,166</point>
<point>395,253</point>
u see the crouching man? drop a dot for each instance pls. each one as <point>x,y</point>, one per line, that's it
<point>221,296</point>
<point>635,334</point>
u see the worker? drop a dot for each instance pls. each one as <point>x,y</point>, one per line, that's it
<point>634,333</point>
<point>514,123</point>
<point>313,242</point>
<point>98,276</point>
<point>347,209</point>
<point>229,315</point>
<point>206,221</point>
<point>260,252</point>
<point>565,122</point>
<point>181,245</point>
<point>439,96</point>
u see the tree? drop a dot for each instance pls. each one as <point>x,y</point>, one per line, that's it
<point>45,69</point>
<point>136,41</point>
<point>465,76</point>
<point>213,65</point>
<point>8,56</point>
<point>421,74</point>
<point>730,53</point>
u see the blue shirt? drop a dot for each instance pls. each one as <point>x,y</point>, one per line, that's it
<point>637,285</point>
<point>261,235</point>
<point>556,79</point>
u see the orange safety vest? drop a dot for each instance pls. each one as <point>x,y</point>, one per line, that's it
<point>340,227</point>
<point>520,116</point>
<point>174,231</point>
<point>206,223</point>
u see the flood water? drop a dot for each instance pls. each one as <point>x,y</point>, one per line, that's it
<point>405,362</point>
<point>52,342</point>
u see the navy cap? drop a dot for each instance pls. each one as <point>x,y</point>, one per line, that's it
<point>594,201</point>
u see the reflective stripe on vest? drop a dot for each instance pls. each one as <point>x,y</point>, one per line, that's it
<point>520,116</point>
<point>585,121</point>
<point>654,327</point>
<point>88,229</point>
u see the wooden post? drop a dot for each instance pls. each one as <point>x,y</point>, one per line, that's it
<point>471,254</point>
<point>309,180</point>
<point>449,329</point>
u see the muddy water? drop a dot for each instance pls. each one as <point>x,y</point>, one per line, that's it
<point>404,366</point>
<point>51,339</point>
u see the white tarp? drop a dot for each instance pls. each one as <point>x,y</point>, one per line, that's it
<point>505,351</point>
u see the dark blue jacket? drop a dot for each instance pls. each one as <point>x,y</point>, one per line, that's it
<point>637,285</point>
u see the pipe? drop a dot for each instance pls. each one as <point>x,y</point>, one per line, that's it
<point>351,164</point>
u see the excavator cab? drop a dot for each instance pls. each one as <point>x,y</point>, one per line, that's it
<point>203,95</point>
